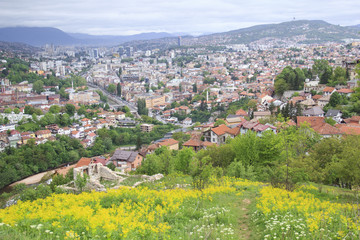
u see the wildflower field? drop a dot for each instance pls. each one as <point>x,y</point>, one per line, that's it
<point>228,208</point>
<point>128,213</point>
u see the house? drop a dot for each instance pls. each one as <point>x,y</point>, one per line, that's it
<point>14,138</point>
<point>91,136</point>
<point>43,134</point>
<point>241,113</point>
<point>197,144</point>
<point>261,128</point>
<point>314,112</point>
<point>187,121</point>
<point>171,143</point>
<point>334,114</point>
<point>75,134</point>
<point>217,134</point>
<point>85,121</point>
<point>146,127</point>
<point>234,119</point>
<point>319,125</point>
<point>345,91</point>
<point>126,160</point>
<point>328,91</point>
<point>260,115</point>
<point>184,110</point>
<point>323,100</point>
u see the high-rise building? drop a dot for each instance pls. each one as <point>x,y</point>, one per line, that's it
<point>129,51</point>
<point>179,41</point>
<point>96,53</point>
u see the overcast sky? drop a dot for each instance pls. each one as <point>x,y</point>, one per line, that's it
<point>124,17</point>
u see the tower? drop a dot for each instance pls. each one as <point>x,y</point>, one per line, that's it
<point>179,41</point>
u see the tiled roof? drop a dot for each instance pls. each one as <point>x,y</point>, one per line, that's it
<point>221,129</point>
<point>168,142</point>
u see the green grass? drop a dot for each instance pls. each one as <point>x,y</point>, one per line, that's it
<point>130,181</point>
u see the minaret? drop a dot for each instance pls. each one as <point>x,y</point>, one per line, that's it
<point>207,96</point>
<point>72,84</point>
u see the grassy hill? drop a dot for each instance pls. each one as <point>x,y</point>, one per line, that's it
<point>227,208</point>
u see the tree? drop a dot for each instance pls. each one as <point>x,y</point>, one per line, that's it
<point>55,109</point>
<point>8,110</point>
<point>111,88</point>
<point>141,104</point>
<point>335,99</point>
<point>38,86</point>
<point>219,122</point>
<point>280,86</point>
<point>195,88</point>
<point>80,181</point>
<point>118,89</point>
<point>16,110</point>
<point>322,69</point>
<point>70,109</point>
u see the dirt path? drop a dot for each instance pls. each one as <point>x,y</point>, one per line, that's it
<point>32,179</point>
<point>244,215</point>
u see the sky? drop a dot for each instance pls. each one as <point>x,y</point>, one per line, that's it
<point>120,17</point>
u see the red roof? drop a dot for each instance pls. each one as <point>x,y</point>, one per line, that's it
<point>168,142</point>
<point>221,129</point>
<point>328,89</point>
<point>83,162</point>
<point>241,112</point>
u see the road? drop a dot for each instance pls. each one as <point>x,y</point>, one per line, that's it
<point>116,99</point>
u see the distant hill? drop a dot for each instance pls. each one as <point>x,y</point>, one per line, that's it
<point>39,36</point>
<point>113,39</point>
<point>36,36</point>
<point>18,47</point>
<point>301,31</point>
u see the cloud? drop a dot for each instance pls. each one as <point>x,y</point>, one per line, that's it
<point>118,17</point>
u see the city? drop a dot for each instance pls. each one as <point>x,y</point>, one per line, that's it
<point>250,133</point>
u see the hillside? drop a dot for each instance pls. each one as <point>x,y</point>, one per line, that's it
<point>227,209</point>
<point>305,30</point>
<point>282,34</point>
<point>36,36</point>
<point>39,36</point>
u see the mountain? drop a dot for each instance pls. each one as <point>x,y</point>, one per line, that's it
<point>282,34</point>
<point>301,31</point>
<point>36,36</point>
<point>113,39</point>
<point>39,36</point>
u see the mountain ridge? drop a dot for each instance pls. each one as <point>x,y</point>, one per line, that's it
<point>300,31</point>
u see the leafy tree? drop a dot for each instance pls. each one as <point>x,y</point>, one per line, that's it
<point>323,70</point>
<point>80,181</point>
<point>70,109</point>
<point>111,88</point>
<point>16,110</point>
<point>219,122</point>
<point>280,86</point>
<point>8,110</point>
<point>335,99</point>
<point>38,86</point>
<point>55,109</point>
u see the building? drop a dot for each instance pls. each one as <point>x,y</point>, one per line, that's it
<point>86,97</point>
<point>146,127</point>
<point>154,101</point>
<point>126,160</point>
